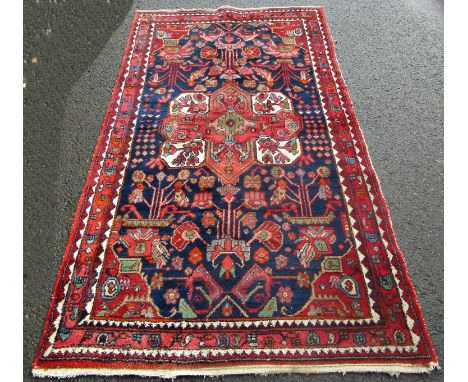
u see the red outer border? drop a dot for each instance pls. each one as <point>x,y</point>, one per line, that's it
<point>89,182</point>
<point>382,206</point>
<point>376,184</point>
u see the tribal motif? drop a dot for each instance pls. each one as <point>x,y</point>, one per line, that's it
<point>230,208</point>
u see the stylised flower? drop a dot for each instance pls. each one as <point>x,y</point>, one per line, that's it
<point>208,219</point>
<point>245,71</point>
<point>211,83</point>
<point>226,310</point>
<point>249,220</point>
<point>252,339</point>
<point>156,281</point>
<point>228,189</point>
<point>277,172</point>
<point>184,174</point>
<point>325,192</point>
<point>359,338</point>
<point>303,279</point>
<point>136,196</point>
<point>249,83</point>
<point>172,296</point>
<point>176,52</point>
<point>160,90</point>
<point>206,182</point>
<point>138,176</point>
<point>195,104</point>
<point>202,200</point>
<point>355,305</point>
<point>254,181</point>
<point>292,236</point>
<point>168,149</point>
<point>180,197</point>
<point>195,256</point>
<point>398,336</point>
<point>270,234</point>
<point>267,144</point>
<point>300,172</point>
<point>281,50</point>
<point>285,295</point>
<point>255,199</point>
<point>158,254</point>
<point>185,233</point>
<point>208,52</point>
<point>323,171</point>
<point>281,261</point>
<point>261,255</point>
<point>216,69</point>
<point>279,194</point>
<point>313,338</point>
<point>251,51</point>
<point>177,263</point>
<point>154,340</point>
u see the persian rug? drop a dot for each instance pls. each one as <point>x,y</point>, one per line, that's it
<point>231,221</point>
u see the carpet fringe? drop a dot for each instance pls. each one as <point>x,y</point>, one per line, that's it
<point>392,370</point>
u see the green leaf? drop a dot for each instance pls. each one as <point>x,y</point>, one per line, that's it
<point>270,308</point>
<point>186,310</point>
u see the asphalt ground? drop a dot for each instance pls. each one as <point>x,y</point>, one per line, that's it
<point>391,55</point>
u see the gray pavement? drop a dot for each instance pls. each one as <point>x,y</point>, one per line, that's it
<point>391,55</point>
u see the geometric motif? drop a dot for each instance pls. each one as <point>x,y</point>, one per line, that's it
<point>229,130</point>
<point>231,215</point>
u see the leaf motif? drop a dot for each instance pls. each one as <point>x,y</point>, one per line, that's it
<point>186,310</point>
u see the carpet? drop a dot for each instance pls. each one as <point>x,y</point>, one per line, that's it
<point>231,221</point>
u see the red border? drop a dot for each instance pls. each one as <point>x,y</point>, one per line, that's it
<point>82,205</point>
<point>376,184</point>
<point>89,182</point>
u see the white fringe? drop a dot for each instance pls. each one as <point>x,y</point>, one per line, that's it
<point>393,369</point>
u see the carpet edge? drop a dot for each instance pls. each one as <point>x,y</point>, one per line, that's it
<point>266,370</point>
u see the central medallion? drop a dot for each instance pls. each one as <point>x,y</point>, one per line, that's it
<point>229,130</point>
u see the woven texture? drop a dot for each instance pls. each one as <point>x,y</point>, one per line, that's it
<point>231,216</point>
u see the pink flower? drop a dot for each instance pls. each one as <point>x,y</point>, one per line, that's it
<point>286,226</point>
<point>285,295</point>
<point>281,261</point>
<point>177,262</point>
<point>171,296</point>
